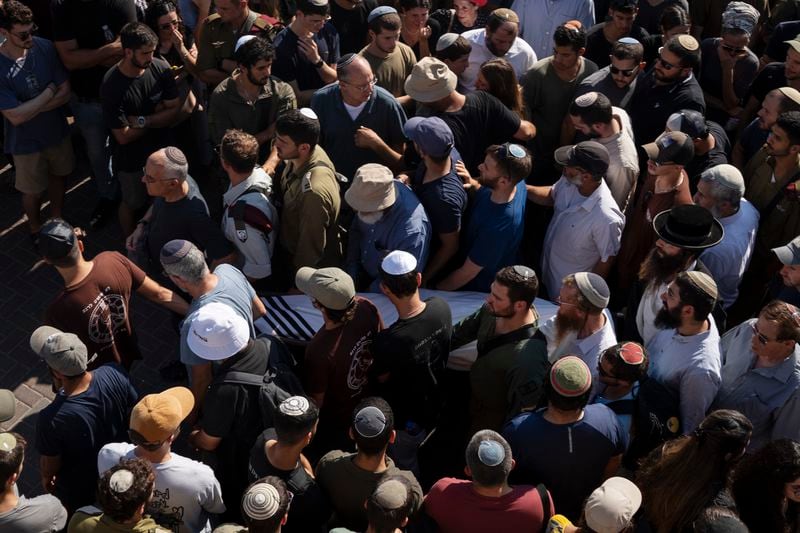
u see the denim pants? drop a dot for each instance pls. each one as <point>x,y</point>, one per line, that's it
<point>89,119</point>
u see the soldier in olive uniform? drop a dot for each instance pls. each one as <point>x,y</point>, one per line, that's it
<point>220,33</point>
<point>309,233</point>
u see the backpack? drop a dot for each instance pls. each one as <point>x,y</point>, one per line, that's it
<point>278,383</point>
<point>237,211</point>
<point>655,412</point>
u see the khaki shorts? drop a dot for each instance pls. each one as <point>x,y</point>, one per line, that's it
<point>134,193</point>
<point>34,170</point>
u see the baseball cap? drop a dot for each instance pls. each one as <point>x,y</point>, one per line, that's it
<point>398,263</point>
<point>56,239</point>
<point>7,405</point>
<point>63,352</point>
<point>570,377</point>
<point>588,155</point>
<point>611,506</point>
<point>432,134</point>
<point>726,175</point>
<point>157,416</point>
<point>671,147</point>
<point>689,122</point>
<point>332,287</point>
<point>789,253</point>
<point>217,332</point>
<point>594,288</point>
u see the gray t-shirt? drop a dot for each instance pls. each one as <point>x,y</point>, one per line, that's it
<point>232,289</point>
<point>42,514</point>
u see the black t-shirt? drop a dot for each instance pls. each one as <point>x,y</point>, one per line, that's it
<point>310,508</point>
<point>598,49</point>
<point>414,352</point>
<point>436,32</point>
<point>716,156</point>
<point>651,105</point>
<point>291,65</point>
<point>92,23</point>
<point>123,97</point>
<point>351,24</point>
<point>773,76</point>
<point>185,219</point>
<point>480,123</point>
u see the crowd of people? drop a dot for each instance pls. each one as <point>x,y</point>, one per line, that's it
<point>618,179</point>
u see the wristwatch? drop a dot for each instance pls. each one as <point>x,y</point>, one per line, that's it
<point>319,63</point>
<point>140,122</point>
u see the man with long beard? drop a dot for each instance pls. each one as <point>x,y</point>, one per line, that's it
<point>684,355</point>
<point>683,232</point>
<point>581,326</point>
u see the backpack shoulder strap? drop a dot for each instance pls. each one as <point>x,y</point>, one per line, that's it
<point>234,377</point>
<point>542,490</point>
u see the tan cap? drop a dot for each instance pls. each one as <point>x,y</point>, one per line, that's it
<point>791,93</point>
<point>332,287</point>
<point>688,42</point>
<point>157,416</point>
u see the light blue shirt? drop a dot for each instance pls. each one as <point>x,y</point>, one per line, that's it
<point>404,226</point>
<point>538,20</point>
<point>728,260</point>
<point>233,290</point>
<point>768,397</point>
<point>690,367</point>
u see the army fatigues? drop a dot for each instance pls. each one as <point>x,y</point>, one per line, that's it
<point>309,231</point>
<point>218,38</point>
<point>230,110</point>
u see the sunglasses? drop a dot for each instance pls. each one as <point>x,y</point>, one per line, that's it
<point>763,339</point>
<point>24,35</point>
<point>625,72</point>
<point>732,50</point>
<point>171,24</point>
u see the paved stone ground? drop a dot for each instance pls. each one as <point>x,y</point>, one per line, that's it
<point>27,286</point>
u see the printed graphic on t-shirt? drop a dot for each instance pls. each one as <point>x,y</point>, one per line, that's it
<point>360,362</point>
<point>165,515</point>
<point>107,317</point>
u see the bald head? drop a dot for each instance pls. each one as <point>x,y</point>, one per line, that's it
<point>172,162</point>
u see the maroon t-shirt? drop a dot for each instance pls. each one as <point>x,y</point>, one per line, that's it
<point>457,508</point>
<point>96,309</point>
<point>337,361</point>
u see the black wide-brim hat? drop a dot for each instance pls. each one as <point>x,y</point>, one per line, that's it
<point>688,226</point>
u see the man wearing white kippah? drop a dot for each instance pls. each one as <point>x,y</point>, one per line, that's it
<point>413,350</point>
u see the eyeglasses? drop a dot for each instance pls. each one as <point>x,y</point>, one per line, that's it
<point>626,72</point>
<point>763,339</point>
<point>666,64</point>
<point>731,49</point>
<point>171,24</point>
<point>152,179</point>
<point>24,35</point>
<point>511,150</point>
<point>362,88</point>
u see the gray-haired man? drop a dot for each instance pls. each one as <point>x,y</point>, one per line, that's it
<point>185,265</point>
<point>721,191</point>
<point>178,212</point>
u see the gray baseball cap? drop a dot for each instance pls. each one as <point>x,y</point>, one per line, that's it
<point>332,287</point>
<point>63,352</point>
<point>789,254</point>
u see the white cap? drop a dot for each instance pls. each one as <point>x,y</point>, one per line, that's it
<point>217,332</point>
<point>243,39</point>
<point>398,263</point>
<point>611,506</point>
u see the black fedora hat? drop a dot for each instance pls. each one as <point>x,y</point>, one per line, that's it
<point>688,226</point>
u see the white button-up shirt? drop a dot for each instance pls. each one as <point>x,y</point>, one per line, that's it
<point>689,366</point>
<point>584,231</point>
<point>538,20</point>
<point>520,55</point>
<point>623,160</point>
<point>728,260</point>
<point>768,397</point>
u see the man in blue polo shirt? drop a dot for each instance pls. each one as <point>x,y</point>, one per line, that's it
<point>307,50</point>
<point>438,188</point>
<point>359,122</point>
<point>494,231</point>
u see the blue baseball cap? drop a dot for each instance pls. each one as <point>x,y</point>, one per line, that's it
<point>432,134</point>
